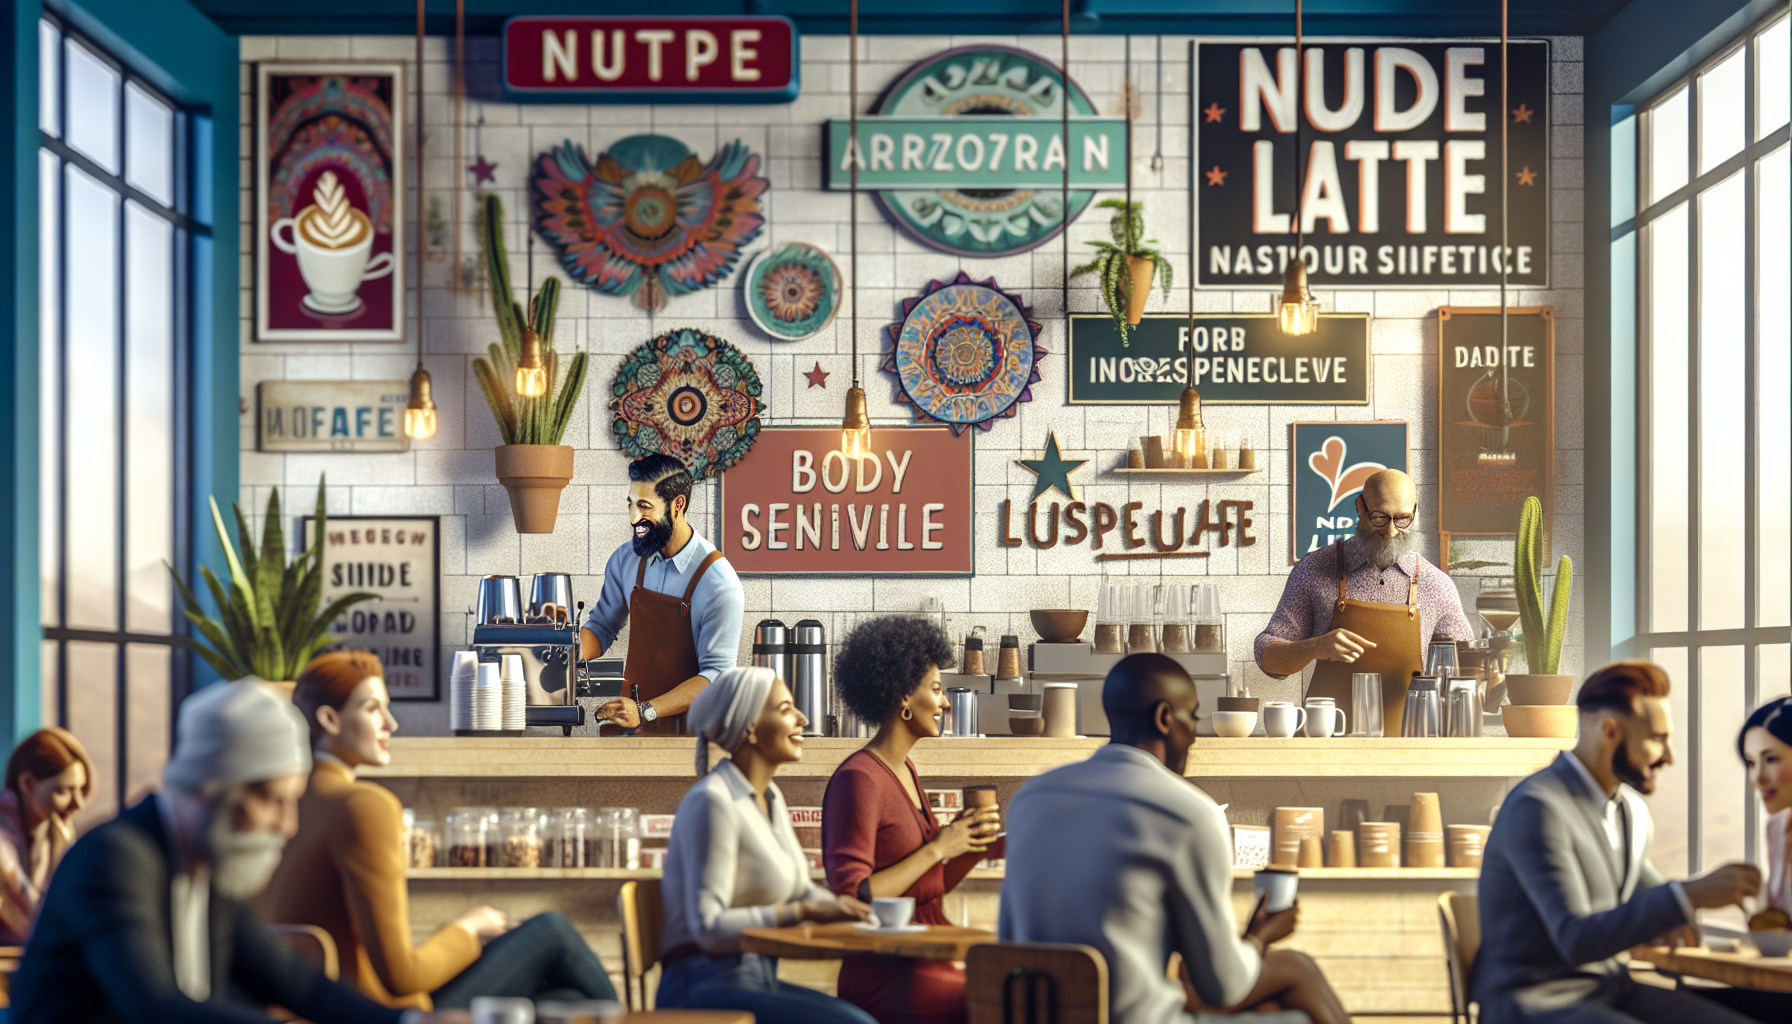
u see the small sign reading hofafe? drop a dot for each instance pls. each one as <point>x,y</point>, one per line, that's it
<point>331,416</point>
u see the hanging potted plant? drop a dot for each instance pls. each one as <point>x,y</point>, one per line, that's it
<point>530,397</point>
<point>268,623</point>
<point>1125,266</point>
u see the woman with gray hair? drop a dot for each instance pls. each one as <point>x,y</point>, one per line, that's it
<point>733,862</point>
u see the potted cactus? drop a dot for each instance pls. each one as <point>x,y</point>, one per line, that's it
<point>533,465</point>
<point>1542,635</point>
<point>1126,266</point>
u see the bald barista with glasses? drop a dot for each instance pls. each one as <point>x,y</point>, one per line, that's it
<point>1369,603</point>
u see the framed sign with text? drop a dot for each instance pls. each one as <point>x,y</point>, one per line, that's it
<point>1495,418</point>
<point>1331,460</point>
<point>651,59</point>
<point>1239,359</point>
<point>795,505</point>
<point>1398,149</point>
<point>398,558</point>
<point>331,415</point>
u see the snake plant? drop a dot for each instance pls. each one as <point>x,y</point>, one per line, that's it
<point>1115,275</point>
<point>1542,641</point>
<point>268,623</point>
<point>523,420</point>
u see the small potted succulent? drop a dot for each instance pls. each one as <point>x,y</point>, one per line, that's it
<point>532,464</point>
<point>1126,266</point>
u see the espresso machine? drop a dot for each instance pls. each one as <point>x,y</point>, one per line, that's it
<point>544,633</point>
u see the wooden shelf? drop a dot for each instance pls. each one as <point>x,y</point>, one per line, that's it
<point>1129,471</point>
<point>1255,757</point>
<point>978,874</point>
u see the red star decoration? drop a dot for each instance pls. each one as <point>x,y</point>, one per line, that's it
<point>1527,176</point>
<point>1214,112</point>
<point>1522,115</point>
<point>818,377</point>
<point>482,171</point>
<point>1215,176</point>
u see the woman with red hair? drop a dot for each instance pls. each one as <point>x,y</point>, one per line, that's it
<point>48,778</point>
<point>345,872</point>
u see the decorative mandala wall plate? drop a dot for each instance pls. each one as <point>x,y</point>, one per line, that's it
<point>690,395</point>
<point>647,220</point>
<point>965,353</point>
<point>793,291</point>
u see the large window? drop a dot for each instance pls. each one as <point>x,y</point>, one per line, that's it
<point>1710,242</point>
<point>113,251</point>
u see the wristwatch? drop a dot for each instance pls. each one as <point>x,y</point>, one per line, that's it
<point>648,713</point>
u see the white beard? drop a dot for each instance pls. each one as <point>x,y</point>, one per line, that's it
<point>1384,553</point>
<point>242,863</point>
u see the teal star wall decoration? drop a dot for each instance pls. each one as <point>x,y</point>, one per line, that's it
<point>1053,470</point>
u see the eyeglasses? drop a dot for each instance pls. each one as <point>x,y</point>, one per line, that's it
<point>1381,519</point>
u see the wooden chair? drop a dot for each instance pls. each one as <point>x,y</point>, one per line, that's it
<point>1036,983</point>
<point>643,921</point>
<point>314,944</point>
<point>1460,915</point>
<point>9,963</point>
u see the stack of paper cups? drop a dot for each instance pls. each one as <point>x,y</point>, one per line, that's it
<point>1425,833</point>
<point>516,692</point>
<point>488,701</point>
<point>460,690</point>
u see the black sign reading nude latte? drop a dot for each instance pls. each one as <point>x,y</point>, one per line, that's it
<point>1399,150</point>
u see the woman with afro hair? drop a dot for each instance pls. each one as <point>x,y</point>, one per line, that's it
<point>879,838</point>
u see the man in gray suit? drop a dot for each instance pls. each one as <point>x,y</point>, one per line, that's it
<point>1566,883</point>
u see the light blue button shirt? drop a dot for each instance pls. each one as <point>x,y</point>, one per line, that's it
<point>717,608</point>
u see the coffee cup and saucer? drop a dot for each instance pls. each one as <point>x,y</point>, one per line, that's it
<point>892,915</point>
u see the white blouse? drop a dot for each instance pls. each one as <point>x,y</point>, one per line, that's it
<point>729,866</point>
<point>1779,872</point>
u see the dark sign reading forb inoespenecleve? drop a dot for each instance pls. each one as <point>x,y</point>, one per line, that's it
<point>1239,359</point>
<point>1496,417</point>
<point>796,505</point>
<point>1399,163</point>
<point>398,558</point>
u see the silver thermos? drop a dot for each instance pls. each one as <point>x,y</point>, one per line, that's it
<point>1424,708</point>
<point>807,656</point>
<point>771,648</point>
<point>964,712</point>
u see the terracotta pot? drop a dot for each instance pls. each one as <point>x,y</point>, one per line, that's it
<point>1142,269</point>
<point>534,474</point>
<point>1059,625</point>
<point>1539,689</point>
<point>1541,721</point>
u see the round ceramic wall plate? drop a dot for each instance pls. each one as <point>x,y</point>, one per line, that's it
<point>793,291</point>
<point>965,353</point>
<point>982,81</point>
<point>690,395</point>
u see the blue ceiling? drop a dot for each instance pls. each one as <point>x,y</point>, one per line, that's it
<point>944,17</point>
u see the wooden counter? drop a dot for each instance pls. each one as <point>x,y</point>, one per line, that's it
<point>976,875</point>
<point>992,758</point>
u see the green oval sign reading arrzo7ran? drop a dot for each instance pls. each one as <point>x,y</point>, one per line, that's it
<point>966,153</point>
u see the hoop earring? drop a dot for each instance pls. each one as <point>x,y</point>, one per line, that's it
<point>907,714</point>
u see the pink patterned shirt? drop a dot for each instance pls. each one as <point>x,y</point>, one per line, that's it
<point>1312,592</point>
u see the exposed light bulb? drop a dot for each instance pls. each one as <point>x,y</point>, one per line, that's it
<point>531,372</point>
<point>1188,443</point>
<point>855,428</point>
<point>420,411</point>
<point>1299,311</point>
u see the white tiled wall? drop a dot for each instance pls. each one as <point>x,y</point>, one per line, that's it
<point>452,474</point>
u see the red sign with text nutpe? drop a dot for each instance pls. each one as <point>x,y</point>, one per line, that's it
<point>651,59</point>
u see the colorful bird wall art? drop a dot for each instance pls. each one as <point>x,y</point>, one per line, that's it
<point>647,219</point>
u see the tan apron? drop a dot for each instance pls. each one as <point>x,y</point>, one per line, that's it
<point>1399,650</point>
<point>662,651</point>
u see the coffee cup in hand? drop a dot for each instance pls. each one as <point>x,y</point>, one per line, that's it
<point>892,911</point>
<point>1279,884</point>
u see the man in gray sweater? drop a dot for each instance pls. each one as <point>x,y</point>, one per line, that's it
<point>1121,853</point>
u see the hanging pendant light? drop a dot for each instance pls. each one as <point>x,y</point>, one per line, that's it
<point>855,427</point>
<point>1189,443</point>
<point>420,411</point>
<point>1298,311</point>
<point>531,369</point>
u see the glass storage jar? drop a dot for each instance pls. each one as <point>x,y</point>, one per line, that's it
<point>618,837</point>
<point>422,840</point>
<point>570,837</point>
<point>472,837</point>
<point>523,842</point>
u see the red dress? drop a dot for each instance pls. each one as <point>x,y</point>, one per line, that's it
<point>868,824</point>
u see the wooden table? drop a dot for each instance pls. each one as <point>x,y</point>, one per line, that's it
<point>1743,970</point>
<point>688,1017</point>
<point>834,941</point>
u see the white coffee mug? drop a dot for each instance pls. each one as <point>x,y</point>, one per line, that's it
<point>1281,718</point>
<point>1281,885</point>
<point>1323,718</point>
<point>502,1010</point>
<point>333,275</point>
<point>893,911</point>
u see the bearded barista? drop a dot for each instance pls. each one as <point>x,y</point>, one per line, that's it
<point>1366,604</point>
<point>679,597</point>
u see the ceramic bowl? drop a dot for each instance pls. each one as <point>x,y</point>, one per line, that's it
<point>1058,625</point>
<point>1030,725</point>
<point>1538,689</point>
<point>1540,721</point>
<point>1233,724</point>
<point>1773,943</point>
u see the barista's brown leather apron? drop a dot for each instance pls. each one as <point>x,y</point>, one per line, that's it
<point>662,651</point>
<point>1399,651</point>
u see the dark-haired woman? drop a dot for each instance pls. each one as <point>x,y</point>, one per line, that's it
<point>1766,748</point>
<point>879,838</point>
<point>48,778</point>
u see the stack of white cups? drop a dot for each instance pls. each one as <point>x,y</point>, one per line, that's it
<point>488,700</point>
<point>516,693</point>
<point>460,690</point>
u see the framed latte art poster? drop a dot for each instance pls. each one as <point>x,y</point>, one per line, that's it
<point>329,202</point>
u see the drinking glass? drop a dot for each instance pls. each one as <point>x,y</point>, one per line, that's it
<point>1440,659</point>
<point>1365,704</point>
